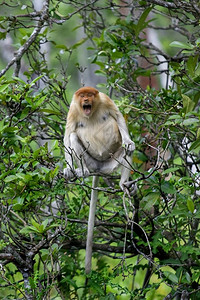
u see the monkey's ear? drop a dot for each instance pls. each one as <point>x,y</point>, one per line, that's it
<point>87,89</point>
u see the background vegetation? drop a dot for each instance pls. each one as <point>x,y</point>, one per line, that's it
<point>145,54</point>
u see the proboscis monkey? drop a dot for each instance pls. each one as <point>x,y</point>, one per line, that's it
<point>97,138</point>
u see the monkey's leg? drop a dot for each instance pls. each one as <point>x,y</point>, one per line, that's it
<point>85,162</point>
<point>120,158</point>
<point>125,170</point>
<point>111,164</point>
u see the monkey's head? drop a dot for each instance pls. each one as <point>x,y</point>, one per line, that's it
<point>87,98</point>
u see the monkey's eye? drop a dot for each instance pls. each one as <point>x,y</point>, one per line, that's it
<point>90,94</point>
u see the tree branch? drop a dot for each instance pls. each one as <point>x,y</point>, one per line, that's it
<point>194,8</point>
<point>20,52</point>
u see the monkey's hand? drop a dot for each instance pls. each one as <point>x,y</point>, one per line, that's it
<point>129,186</point>
<point>68,173</point>
<point>129,146</point>
<point>79,172</point>
<point>82,172</point>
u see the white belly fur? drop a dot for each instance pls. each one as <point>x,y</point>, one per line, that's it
<point>101,140</point>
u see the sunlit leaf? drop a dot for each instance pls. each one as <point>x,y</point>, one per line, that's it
<point>178,44</point>
<point>190,205</point>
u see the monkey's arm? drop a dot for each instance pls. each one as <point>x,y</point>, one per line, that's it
<point>75,152</point>
<point>126,140</point>
<point>68,171</point>
<point>68,143</point>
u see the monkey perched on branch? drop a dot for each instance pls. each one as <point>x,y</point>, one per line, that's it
<point>97,138</point>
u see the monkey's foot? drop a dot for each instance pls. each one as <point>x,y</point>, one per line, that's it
<point>130,186</point>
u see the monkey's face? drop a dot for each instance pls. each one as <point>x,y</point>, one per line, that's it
<point>87,102</point>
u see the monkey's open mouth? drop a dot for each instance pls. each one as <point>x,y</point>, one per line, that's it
<point>87,109</point>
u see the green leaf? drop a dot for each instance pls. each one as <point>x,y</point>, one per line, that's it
<point>191,64</point>
<point>63,47</point>
<point>190,205</point>
<point>23,32</point>
<point>198,133</point>
<point>188,277</point>
<point>44,253</point>
<point>82,41</point>
<point>101,53</point>
<point>150,200</point>
<point>101,72</point>
<point>10,178</point>
<point>45,223</point>
<point>49,111</point>
<point>40,101</point>
<point>19,205</point>
<point>70,281</point>
<point>3,35</point>
<point>27,230</point>
<point>25,177</point>
<point>110,38</point>
<point>3,87</point>
<point>168,188</point>
<point>29,100</point>
<point>171,276</point>
<point>194,145</point>
<point>141,22</point>
<point>36,79</point>
<point>178,44</point>
<point>175,117</point>
<point>53,145</point>
<point>36,153</point>
<point>97,287</point>
<point>35,224</point>
<point>170,170</point>
<point>190,121</point>
<point>188,104</point>
<point>11,129</point>
<point>2,127</point>
<point>55,172</point>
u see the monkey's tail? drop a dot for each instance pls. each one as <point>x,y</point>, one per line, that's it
<point>91,220</point>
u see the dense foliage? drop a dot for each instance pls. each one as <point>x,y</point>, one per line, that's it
<point>146,246</point>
